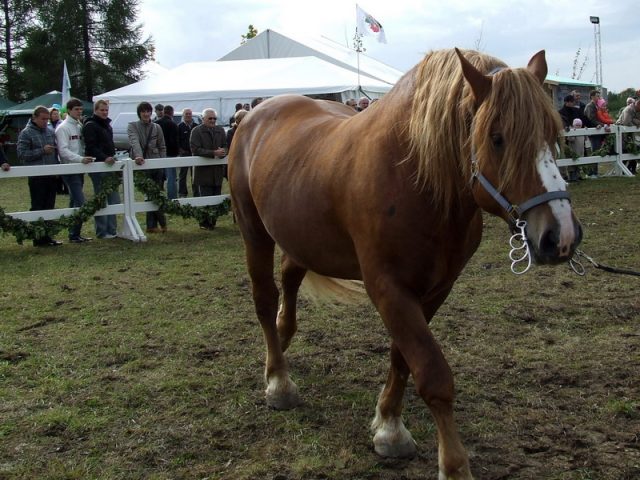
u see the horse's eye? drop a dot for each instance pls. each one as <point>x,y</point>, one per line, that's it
<point>497,140</point>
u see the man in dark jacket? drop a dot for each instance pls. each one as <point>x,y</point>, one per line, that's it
<point>98,143</point>
<point>209,140</point>
<point>184,147</point>
<point>170,132</point>
<point>37,146</point>
<point>568,112</point>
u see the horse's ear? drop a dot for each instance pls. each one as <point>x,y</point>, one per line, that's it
<point>538,66</point>
<point>480,84</point>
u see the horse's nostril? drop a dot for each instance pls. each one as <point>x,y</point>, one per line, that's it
<point>549,243</point>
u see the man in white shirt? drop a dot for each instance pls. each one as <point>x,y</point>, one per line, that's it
<point>71,150</point>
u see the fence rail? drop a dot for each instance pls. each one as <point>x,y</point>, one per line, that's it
<point>616,161</point>
<point>130,228</point>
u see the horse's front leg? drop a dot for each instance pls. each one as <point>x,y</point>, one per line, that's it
<point>406,322</point>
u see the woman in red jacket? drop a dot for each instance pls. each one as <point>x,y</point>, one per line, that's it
<point>602,113</point>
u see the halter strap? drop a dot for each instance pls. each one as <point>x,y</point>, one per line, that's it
<point>516,211</point>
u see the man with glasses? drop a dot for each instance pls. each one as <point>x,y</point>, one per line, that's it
<point>208,140</point>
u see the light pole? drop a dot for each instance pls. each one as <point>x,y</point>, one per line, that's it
<point>598,48</point>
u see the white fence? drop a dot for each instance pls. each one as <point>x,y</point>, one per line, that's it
<point>615,161</point>
<point>129,228</point>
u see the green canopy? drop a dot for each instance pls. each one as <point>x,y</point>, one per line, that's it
<point>46,100</point>
<point>5,103</point>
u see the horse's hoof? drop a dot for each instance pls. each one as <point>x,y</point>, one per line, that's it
<point>406,449</point>
<point>392,439</point>
<point>282,395</point>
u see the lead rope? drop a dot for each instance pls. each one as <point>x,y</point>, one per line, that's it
<point>519,249</point>
<point>578,268</point>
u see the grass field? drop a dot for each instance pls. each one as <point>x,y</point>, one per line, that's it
<point>145,361</point>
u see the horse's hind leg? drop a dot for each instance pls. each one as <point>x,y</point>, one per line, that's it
<point>281,392</point>
<point>391,438</point>
<point>292,276</point>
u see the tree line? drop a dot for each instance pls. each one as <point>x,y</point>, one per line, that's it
<point>100,40</point>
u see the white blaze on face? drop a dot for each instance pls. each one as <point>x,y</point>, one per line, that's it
<point>552,181</point>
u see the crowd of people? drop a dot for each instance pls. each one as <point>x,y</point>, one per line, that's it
<point>595,114</point>
<point>49,140</point>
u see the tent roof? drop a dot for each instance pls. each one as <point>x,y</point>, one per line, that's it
<point>244,78</point>
<point>46,100</point>
<point>556,80</point>
<point>271,44</point>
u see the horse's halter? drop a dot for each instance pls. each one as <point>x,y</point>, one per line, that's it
<point>519,245</point>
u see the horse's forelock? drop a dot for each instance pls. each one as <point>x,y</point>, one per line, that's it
<point>519,108</point>
<point>439,126</point>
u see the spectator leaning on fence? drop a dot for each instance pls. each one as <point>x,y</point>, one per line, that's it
<point>170,132</point>
<point>98,143</point>
<point>184,132</point>
<point>37,146</point>
<point>147,141</point>
<point>208,140</point>
<point>71,150</point>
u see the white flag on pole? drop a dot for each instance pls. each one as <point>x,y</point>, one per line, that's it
<point>66,86</point>
<point>367,25</point>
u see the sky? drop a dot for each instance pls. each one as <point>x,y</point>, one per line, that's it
<point>205,30</point>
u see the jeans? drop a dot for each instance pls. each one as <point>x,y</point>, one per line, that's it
<point>105,224</point>
<point>75,184</point>
<point>172,186</point>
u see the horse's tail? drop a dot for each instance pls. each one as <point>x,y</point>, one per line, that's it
<point>331,290</point>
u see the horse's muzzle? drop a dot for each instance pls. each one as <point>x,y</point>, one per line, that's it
<point>551,249</point>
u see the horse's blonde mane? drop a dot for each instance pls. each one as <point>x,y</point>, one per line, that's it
<point>444,110</point>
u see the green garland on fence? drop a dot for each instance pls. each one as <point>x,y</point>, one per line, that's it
<point>608,147</point>
<point>155,194</point>
<point>41,228</point>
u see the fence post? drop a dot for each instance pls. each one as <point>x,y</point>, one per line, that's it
<point>131,229</point>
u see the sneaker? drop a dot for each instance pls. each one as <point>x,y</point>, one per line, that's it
<point>80,239</point>
<point>108,236</point>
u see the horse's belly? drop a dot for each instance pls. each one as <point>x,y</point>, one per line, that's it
<point>307,230</point>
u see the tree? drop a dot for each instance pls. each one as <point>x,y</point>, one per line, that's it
<point>252,32</point>
<point>14,21</point>
<point>99,39</point>
<point>617,101</point>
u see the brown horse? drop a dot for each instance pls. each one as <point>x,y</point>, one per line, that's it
<point>392,197</point>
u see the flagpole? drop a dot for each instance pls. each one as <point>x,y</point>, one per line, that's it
<point>357,44</point>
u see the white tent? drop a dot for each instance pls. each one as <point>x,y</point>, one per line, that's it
<point>271,44</point>
<point>221,85</point>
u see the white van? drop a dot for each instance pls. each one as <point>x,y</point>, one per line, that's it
<point>119,126</point>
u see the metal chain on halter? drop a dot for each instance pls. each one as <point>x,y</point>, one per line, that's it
<point>578,268</point>
<point>519,248</point>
